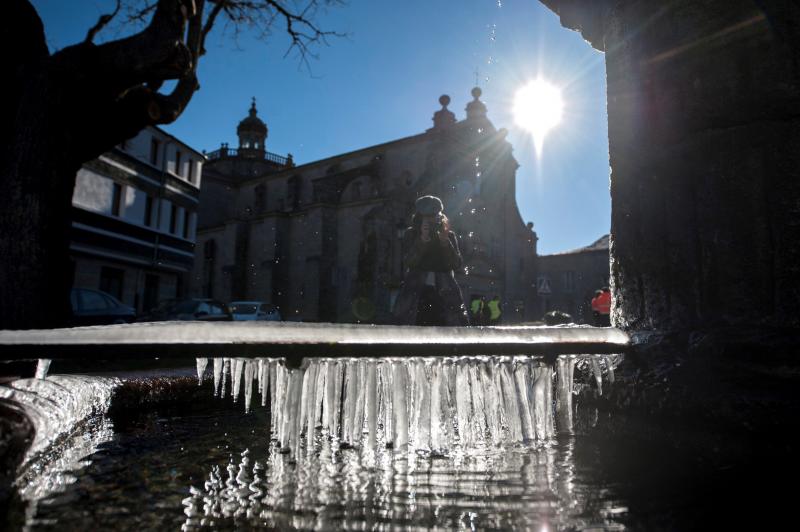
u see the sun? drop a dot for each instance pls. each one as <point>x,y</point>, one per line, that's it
<point>537,108</point>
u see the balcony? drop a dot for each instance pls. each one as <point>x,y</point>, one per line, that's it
<point>224,152</point>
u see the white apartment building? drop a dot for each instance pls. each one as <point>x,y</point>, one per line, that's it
<point>135,217</point>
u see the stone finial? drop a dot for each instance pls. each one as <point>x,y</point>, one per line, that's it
<point>476,108</point>
<point>444,117</point>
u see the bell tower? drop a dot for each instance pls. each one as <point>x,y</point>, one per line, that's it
<point>252,133</point>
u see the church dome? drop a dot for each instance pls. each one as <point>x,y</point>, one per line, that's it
<point>252,133</point>
<point>252,124</point>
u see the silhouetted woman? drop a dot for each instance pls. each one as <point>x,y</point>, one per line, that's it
<point>429,294</point>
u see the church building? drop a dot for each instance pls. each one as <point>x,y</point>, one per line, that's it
<point>322,240</point>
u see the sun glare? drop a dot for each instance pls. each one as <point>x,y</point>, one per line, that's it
<point>537,108</point>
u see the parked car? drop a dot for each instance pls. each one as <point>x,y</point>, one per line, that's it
<point>93,307</point>
<point>159,312</point>
<point>199,309</point>
<point>254,311</point>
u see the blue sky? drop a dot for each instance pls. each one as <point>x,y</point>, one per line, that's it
<point>383,81</point>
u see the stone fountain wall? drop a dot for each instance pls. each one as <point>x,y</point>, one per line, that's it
<point>704,142</point>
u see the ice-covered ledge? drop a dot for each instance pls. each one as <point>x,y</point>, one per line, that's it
<point>295,340</point>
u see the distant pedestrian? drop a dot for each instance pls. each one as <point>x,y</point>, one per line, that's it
<point>476,308</point>
<point>430,294</point>
<point>601,307</point>
<point>495,312</point>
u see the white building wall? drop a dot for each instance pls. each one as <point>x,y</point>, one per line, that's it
<point>140,147</point>
<point>93,192</point>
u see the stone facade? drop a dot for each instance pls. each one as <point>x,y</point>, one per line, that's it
<point>322,240</point>
<point>567,281</point>
<point>704,142</point>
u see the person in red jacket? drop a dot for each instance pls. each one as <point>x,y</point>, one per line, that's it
<point>601,307</point>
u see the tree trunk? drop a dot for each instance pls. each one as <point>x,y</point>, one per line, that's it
<point>65,109</point>
<point>35,200</point>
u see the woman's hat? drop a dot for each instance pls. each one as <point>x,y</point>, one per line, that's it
<point>428,205</point>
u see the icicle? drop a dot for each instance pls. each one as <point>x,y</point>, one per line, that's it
<point>310,404</point>
<point>202,363</point>
<point>422,407</point>
<point>249,369</point>
<point>273,377</point>
<point>400,410</point>
<point>304,394</point>
<point>338,377</point>
<point>226,371</point>
<point>238,367</point>
<point>217,375</point>
<point>549,426</point>
<point>538,376</point>
<point>357,425</point>
<point>598,374</point>
<point>493,400</point>
<point>511,402</point>
<point>372,399</point>
<point>330,391</point>
<point>350,397</point>
<point>319,412</point>
<point>278,404</point>
<point>478,403</point>
<point>294,411</point>
<point>525,400</point>
<point>385,375</point>
<point>437,431</point>
<point>263,370</point>
<point>42,367</point>
<point>463,403</point>
<point>259,367</point>
<point>566,367</point>
<point>610,366</point>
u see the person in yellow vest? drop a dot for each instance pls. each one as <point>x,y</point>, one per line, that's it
<point>476,309</point>
<point>495,313</point>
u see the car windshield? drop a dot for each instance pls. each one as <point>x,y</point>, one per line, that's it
<point>244,308</point>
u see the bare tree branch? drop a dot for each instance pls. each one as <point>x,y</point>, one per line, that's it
<point>102,22</point>
<point>127,74</point>
<point>302,30</point>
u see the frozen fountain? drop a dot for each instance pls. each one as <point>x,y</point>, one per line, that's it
<point>344,406</point>
<point>432,405</point>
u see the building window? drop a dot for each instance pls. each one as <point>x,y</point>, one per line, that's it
<point>186,216</point>
<point>116,200</point>
<point>173,217</point>
<point>568,279</point>
<point>154,145</point>
<point>111,280</point>
<point>190,172</point>
<point>178,163</point>
<point>148,211</point>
